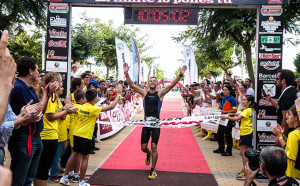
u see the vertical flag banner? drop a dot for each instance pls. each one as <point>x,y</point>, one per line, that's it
<point>146,71</point>
<point>134,64</point>
<point>142,72</point>
<point>190,63</point>
<point>196,72</point>
<point>123,55</point>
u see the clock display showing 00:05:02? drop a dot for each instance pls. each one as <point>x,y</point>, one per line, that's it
<point>161,15</point>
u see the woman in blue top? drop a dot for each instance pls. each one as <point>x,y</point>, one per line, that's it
<point>228,106</point>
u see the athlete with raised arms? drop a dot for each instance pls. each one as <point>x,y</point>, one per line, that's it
<point>152,101</point>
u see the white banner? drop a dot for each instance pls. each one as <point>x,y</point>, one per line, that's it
<point>144,72</point>
<point>191,74</point>
<point>167,123</point>
<point>123,55</point>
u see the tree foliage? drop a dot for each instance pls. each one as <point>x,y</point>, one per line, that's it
<point>83,41</point>
<point>218,24</point>
<point>14,13</point>
<point>92,37</point>
<point>159,73</point>
<point>25,45</point>
<point>297,65</point>
<point>239,25</point>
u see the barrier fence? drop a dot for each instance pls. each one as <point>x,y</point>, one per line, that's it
<point>122,112</point>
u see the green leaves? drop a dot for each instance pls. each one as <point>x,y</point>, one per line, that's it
<point>25,45</point>
<point>18,12</point>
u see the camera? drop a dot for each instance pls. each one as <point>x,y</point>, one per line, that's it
<point>253,157</point>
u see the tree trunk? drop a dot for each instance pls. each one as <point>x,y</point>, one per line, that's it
<point>226,72</point>
<point>247,50</point>
<point>107,71</point>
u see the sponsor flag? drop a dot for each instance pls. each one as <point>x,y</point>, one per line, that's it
<point>134,64</point>
<point>195,68</point>
<point>123,55</point>
<point>190,62</point>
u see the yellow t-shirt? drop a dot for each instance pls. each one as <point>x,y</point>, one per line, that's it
<point>246,122</point>
<point>291,150</point>
<point>73,121</point>
<point>68,116</point>
<point>62,127</point>
<point>50,131</point>
<point>87,116</point>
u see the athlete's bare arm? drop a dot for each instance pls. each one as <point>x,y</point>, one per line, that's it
<point>130,83</point>
<point>164,91</point>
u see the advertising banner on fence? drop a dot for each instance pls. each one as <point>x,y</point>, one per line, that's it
<point>57,43</point>
<point>269,61</point>
<point>121,113</point>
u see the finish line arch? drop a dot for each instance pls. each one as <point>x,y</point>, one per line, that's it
<point>269,37</point>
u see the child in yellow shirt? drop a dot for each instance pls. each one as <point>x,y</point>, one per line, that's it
<point>79,98</point>
<point>84,129</point>
<point>49,135</point>
<point>291,145</point>
<point>246,129</point>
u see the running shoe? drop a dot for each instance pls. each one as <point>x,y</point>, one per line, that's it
<point>75,179</point>
<point>54,180</point>
<point>152,175</point>
<point>241,177</point>
<point>241,171</point>
<point>83,183</point>
<point>64,181</point>
<point>148,158</point>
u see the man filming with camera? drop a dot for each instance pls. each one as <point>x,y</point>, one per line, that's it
<point>273,164</point>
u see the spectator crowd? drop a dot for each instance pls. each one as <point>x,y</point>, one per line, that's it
<point>235,99</point>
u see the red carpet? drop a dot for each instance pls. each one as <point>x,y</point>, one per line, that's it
<point>178,150</point>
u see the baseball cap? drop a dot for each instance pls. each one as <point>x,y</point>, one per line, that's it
<point>94,82</point>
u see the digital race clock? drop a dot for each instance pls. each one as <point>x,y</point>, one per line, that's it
<point>178,16</point>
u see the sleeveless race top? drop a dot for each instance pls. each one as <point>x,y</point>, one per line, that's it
<point>152,105</point>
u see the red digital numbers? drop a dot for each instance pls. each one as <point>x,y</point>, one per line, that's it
<point>165,16</point>
<point>185,15</point>
<point>145,15</point>
<point>177,15</point>
<point>156,15</point>
<point>162,15</point>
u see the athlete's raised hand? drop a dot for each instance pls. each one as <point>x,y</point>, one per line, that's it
<point>182,70</point>
<point>125,68</point>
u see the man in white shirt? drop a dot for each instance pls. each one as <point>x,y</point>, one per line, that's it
<point>250,90</point>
